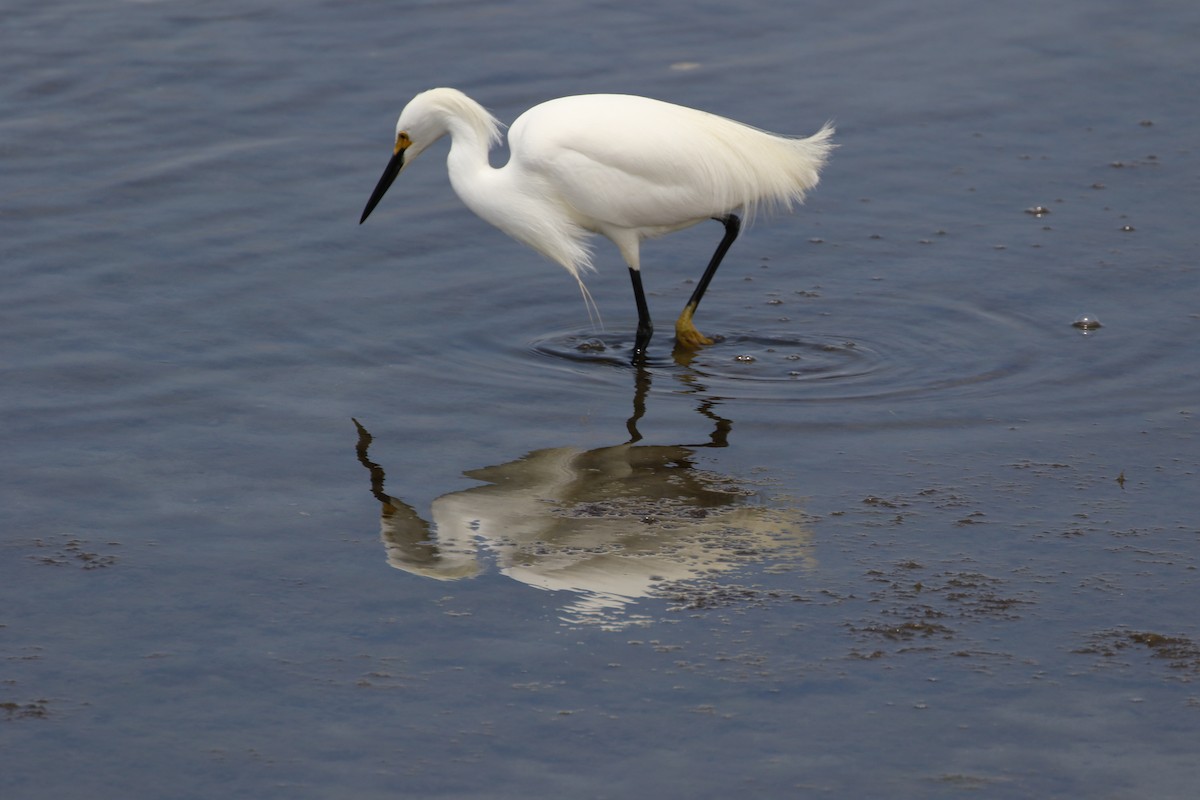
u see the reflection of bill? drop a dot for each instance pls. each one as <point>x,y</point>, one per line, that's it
<point>612,524</point>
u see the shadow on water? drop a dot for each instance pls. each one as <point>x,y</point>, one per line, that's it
<point>610,525</point>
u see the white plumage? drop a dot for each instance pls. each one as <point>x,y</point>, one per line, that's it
<point>626,167</point>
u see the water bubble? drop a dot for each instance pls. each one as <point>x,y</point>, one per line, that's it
<point>591,346</point>
<point>1086,322</point>
<point>745,359</point>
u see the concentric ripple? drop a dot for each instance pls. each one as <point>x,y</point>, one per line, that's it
<point>886,357</point>
<point>878,346</point>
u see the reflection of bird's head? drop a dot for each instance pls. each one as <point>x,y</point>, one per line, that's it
<point>409,548</point>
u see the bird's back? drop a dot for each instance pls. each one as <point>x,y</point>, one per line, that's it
<point>636,163</point>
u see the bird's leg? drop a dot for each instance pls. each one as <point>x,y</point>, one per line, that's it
<point>686,335</point>
<point>645,326</point>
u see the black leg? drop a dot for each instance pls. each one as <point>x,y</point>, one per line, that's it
<point>686,334</point>
<point>645,327</point>
<point>733,226</point>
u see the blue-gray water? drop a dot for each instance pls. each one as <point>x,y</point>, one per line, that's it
<point>904,532</point>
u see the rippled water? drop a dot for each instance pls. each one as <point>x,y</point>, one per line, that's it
<point>297,508</point>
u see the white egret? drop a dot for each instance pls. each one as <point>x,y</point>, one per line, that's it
<point>626,167</point>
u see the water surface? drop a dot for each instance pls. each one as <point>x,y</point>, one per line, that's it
<point>903,531</point>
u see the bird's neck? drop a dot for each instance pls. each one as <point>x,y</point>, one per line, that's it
<point>472,133</point>
<point>471,174</point>
<point>468,149</point>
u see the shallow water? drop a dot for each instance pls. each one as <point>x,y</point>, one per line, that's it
<point>903,531</point>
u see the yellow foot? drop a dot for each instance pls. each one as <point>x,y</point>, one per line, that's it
<point>686,335</point>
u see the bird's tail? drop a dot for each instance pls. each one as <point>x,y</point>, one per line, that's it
<point>781,170</point>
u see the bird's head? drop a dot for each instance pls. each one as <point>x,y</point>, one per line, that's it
<point>420,124</point>
<point>402,152</point>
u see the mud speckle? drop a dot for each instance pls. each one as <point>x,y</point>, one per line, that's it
<point>1178,653</point>
<point>696,595</point>
<point>915,605</point>
<point>37,709</point>
<point>72,552</point>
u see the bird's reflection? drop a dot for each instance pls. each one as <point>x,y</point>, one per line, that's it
<point>610,525</point>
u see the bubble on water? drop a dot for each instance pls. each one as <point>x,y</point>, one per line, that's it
<point>745,359</point>
<point>592,345</point>
<point>1086,322</point>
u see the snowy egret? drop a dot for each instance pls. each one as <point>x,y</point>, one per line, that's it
<point>626,167</point>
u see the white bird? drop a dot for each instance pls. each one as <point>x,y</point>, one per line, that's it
<point>626,167</point>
